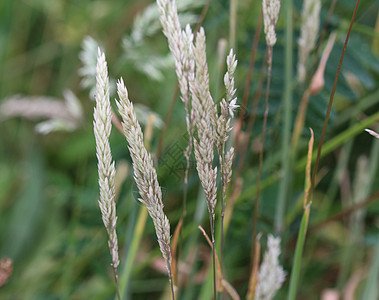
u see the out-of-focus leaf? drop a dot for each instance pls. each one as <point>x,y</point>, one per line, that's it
<point>27,211</point>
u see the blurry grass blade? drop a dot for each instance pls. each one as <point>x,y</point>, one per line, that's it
<point>174,244</point>
<point>375,41</point>
<point>371,289</point>
<point>286,129</point>
<point>232,201</point>
<point>316,85</point>
<point>28,210</point>
<point>295,274</point>
<point>131,255</point>
<point>230,290</point>
<point>296,268</point>
<point>348,211</point>
<point>307,185</point>
<point>344,136</point>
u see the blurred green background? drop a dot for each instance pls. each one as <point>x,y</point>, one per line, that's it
<point>50,223</point>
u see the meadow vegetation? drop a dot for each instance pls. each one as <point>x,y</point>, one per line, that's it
<point>189,150</point>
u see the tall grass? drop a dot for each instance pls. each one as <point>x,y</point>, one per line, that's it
<point>51,227</point>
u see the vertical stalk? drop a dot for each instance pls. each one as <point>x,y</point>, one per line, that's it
<point>258,185</point>
<point>171,281</point>
<point>130,257</point>
<point>298,255</point>
<point>303,226</point>
<point>223,196</point>
<point>115,276</point>
<point>212,224</point>
<point>285,180</point>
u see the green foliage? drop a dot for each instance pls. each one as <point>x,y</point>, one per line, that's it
<point>50,224</point>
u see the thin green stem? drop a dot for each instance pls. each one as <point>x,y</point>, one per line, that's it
<point>212,225</point>
<point>298,255</point>
<point>171,281</point>
<point>223,196</point>
<point>137,236</point>
<point>116,282</point>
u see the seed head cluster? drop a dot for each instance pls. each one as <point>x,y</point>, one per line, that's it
<point>204,112</point>
<point>270,18</point>
<point>102,128</point>
<point>145,174</point>
<point>271,274</point>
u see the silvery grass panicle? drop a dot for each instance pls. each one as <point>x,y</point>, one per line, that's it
<point>228,104</point>
<point>271,10</point>
<point>271,275</point>
<point>308,34</point>
<point>223,127</point>
<point>102,129</point>
<point>181,46</point>
<point>205,113</point>
<point>145,174</point>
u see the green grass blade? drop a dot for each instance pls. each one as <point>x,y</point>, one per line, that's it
<point>371,289</point>
<point>137,236</point>
<point>286,134</point>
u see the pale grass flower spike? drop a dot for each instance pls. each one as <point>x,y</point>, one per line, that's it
<point>204,112</point>
<point>223,127</point>
<point>181,46</point>
<point>271,10</point>
<point>271,275</point>
<point>102,129</point>
<point>145,174</point>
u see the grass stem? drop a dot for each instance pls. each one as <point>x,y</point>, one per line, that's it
<point>286,134</point>
<point>303,226</point>
<point>258,184</point>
